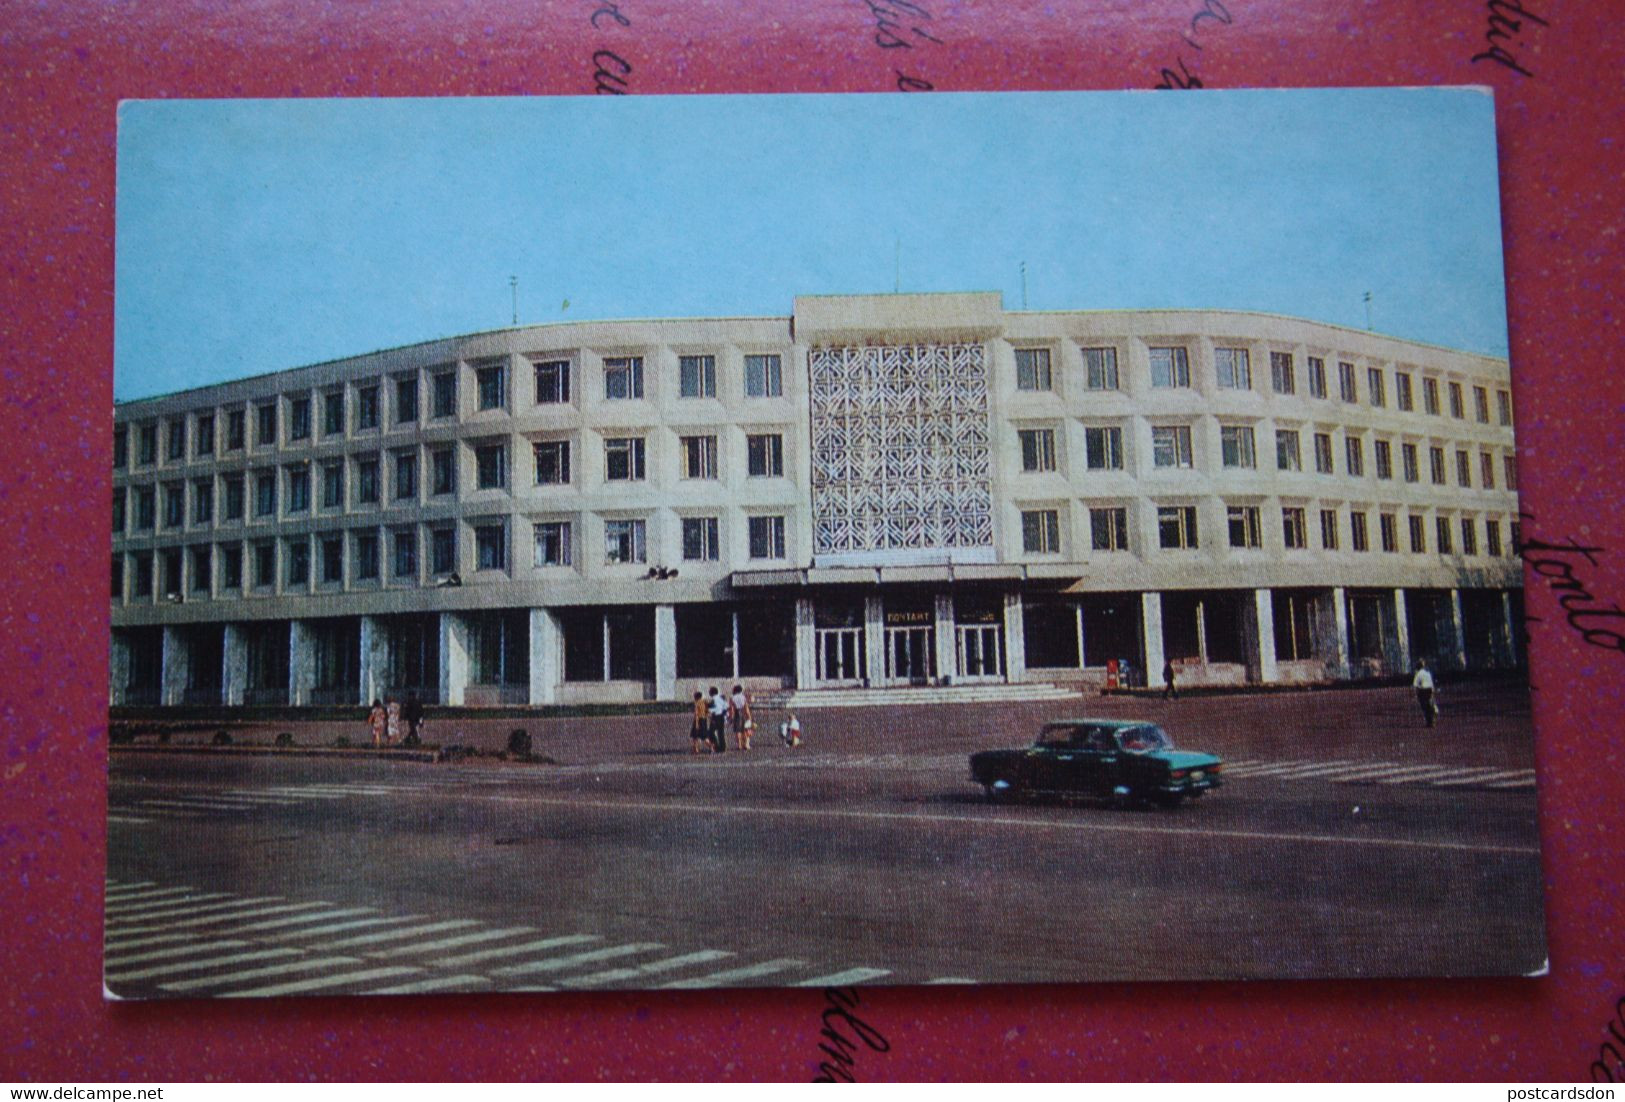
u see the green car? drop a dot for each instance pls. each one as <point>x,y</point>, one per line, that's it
<point>1126,761</point>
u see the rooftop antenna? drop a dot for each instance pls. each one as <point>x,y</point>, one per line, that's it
<point>1024,285</point>
<point>513,285</point>
<point>1368,310</point>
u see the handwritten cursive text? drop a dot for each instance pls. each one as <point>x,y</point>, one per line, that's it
<point>838,1048</point>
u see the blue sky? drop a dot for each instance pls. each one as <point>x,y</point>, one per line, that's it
<point>259,235</point>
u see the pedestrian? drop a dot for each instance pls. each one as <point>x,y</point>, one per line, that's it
<point>1423,684</point>
<point>413,714</point>
<point>790,731</point>
<point>739,709</point>
<point>375,720</point>
<point>718,706</point>
<point>392,720</point>
<point>1168,690</point>
<point>700,732</point>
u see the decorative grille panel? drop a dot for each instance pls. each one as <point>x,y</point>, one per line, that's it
<point>900,448</point>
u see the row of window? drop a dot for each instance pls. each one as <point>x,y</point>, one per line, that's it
<point>1177,530</point>
<point>360,408</point>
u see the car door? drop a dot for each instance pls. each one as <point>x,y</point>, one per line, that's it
<point>1053,760</point>
<point>1096,764</point>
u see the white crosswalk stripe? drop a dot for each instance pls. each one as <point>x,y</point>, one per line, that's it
<point>749,972</point>
<point>170,910</point>
<point>439,983</point>
<point>1384,772</point>
<point>211,920</point>
<point>295,920</point>
<point>846,978</point>
<point>294,966</point>
<point>131,895</point>
<point>357,924</point>
<point>126,820</point>
<point>463,939</point>
<point>653,968</point>
<point>298,987</point>
<point>173,968</point>
<point>399,935</point>
<point>516,950</point>
<point>592,956</point>
<point>193,948</point>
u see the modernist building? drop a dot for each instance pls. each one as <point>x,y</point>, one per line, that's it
<point>889,489</point>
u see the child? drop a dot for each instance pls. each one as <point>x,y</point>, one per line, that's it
<point>790,731</point>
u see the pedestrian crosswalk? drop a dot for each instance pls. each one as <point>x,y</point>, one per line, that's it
<point>166,940</point>
<point>1490,778</point>
<point>136,810</point>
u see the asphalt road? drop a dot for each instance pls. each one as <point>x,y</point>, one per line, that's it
<point>1348,842</point>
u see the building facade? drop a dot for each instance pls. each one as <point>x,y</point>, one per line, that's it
<point>874,490</point>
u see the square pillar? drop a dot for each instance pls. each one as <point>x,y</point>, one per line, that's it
<point>806,644</point>
<point>1339,654</point>
<point>234,666</point>
<point>546,656</point>
<point>175,662</point>
<point>874,640</point>
<point>1263,617</point>
<point>1402,635</point>
<point>1509,629</point>
<point>1151,617</point>
<point>1015,638</point>
<point>943,637</point>
<point>301,663</point>
<point>453,659</point>
<point>1458,636</point>
<point>374,660</point>
<point>118,667</point>
<point>666,652</point>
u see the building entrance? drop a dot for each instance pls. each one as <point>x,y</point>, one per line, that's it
<point>910,654</point>
<point>840,655</point>
<point>979,651</point>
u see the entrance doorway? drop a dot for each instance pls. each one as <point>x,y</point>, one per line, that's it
<point>840,655</point>
<point>910,654</point>
<point>979,651</point>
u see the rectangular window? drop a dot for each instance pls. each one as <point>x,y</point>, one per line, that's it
<point>1481,404</point>
<point>623,459</point>
<point>121,447</point>
<point>142,574</point>
<point>1492,537</point>
<point>366,481</point>
<point>443,471</point>
<point>1282,376</point>
<point>117,578</point>
<point>265,494</point>
<point>763,377</point>
<point>1100,368</point>
<point>1457,408</point>
<point>1407,455</point>
<point>1170,367</point>
<point>1346,382</point>
<point>1441,532</point>
<point>1419,539</point>
<point>365,546</point>
<point>1464,469</point>
<point>696,376</point>
<point>623,378</point>
<point>1355,448</point>
<point>233,487</point>
<point>203,442</point>
<point>332,559</point>
<point>406,401</point>
<point>552,462</point>
<point>1328,529</point>
<point>231,566</point>
<point>1108,529</point>
<point>445,393</point>
<point>443,549</point>
<point>1323,452</point>
<point>492,384</point>
<point>203,501</point>
<point>1032,369</point>
<point>699,456</point>
<point>333,413</point>
<point>1436,465</point>
<point>700,542</point>
<point>1176,527</point>
<point>1037,449</point>
<point>1171,445</point>
<point>174,504</point>
<point>366,408</point>
<point>146,507</point>
<point>624,541</point>
<point>298,489</point>
<point>406,475</point>
<point>764,455</point>
<point>147,445</point>
<point>1317,377</point>
<point>1103,448</point>
<point>1503,402</point>
<point>118,510</point>
<point>1509,468</point>
<point>236,429</point>
<point>202,568</point>
<point>553,543</point>
<point>1234,370</point>
<point>299,418</point>
<point>1236,446</point>
<point>404,561</point>
<point>1402,391</point>
<point>1242,521</point>
<point>175,440</point>
<point>1041,532</point>
<point>1385,459</point>
<point>1469,536</point>
<point>172,573</point>
<point>1486,470</point>
<point>1293,532</point>
<point>767,537</point>
<point>1389,524</point>
<point>552,382</point>
<point>1430,396</point>
<point>1374,385</point>
<point>491,466</point>
<point>298,560</point>
<point>264,565</point>
<point>1359,539</point>
<point>265,434</point>
<point>491,545</point>
<point>333,485</point>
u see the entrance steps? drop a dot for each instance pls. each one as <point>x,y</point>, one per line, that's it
<point>993,693</point>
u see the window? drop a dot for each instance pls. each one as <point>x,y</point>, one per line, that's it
<point>1176,527</point>
<point>1041,531</point>
<point>491,545</point>
<point>146,507</point>
<point>1419,539</point>
<point>298,560</point>
<point>553,543</point>
<point>1032,369</point>
<point>366,408</point>
<point>1355,448</point>
<point>1108,529</point>
<point>1509,468</point>
<point>406,401</point>
<point>298,489</point>
<point>1103,449</point>
<point>1481,404</point>
<point>203,442</point>
<point>624,541</point>
<point>173,566</point>
<point>1037,449</point>
<point>231,566</point>
<point>1390,531</point>
<point>1346,382</point>
<point>233,485</point>
<point>1359,539</point>
<point>332,559</point>
<point>491,466</point>
<point>236,429</point>
<point>699,456</point>
<point>1436,465</point>
<point>1407,455</point>
<point>1486,470</point>
<point>443,471</point>
<point>1234,371</point>
<point>142,571</point>
<point>202,568</point>
<point>1385,459</point>
<point>333,485</point>
<point>700,539</point>
<point>1374,385</point>
<point>764,455</point>
<point>767,537</point>
<point>121,447</point>
<point>265,429</point>
<point>405,559</point>
<point>491,381</point>
<point>1469,536</point>
<point>333,413</point>
<point>1328,529</point>
<point>623,377</point>
<point>1503,402</point>
<point>1402,391</point>
<point>299,419</point>
<point>1430,396</point>
<point>365,549</point>
<point>1243,524</point>
<point>203,501</point>
<point>264,565</point>
<point>1293,533</point>
<point>696,376</point>
<point>175,441</point>
<point>1464,469</point>
<point>1100,368</point>
<point>763,379</point>
<point>1170,367</point>
<point>117,578</point>
<point>1171,445</point>
<point>1236,446</point>
<point>1317,377</point>
<point>1457,409</point>
<point>552,462</point>
<point>1323,452</point>
<point>442,549</point>
<point>406,475</point>
<point>174,504</point>
<point>552,382</point>
<point>1492,537</point>
<point>1441,531</point>
<point>118,509</point>
<point>366,481</point>
<point>623,459</point>
<point>1282,377</point>
<point>445,393</point>
<point>147,445</point>
<point>265,494</point>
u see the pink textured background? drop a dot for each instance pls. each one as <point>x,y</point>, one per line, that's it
<point>64,65</point>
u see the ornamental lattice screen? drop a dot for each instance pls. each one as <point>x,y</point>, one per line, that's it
<point>900,449</point>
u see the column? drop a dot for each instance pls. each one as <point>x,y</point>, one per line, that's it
<point>1402,634</point>
<point>546,656</point>
<point>1151,630</point>
<point>1509,628</point>
<point>118,668</point>
<point>1458,636</point>
<point>1340,628</point>
<point>806,644</point>
<point>301,663</point>
<point>1015,639</point>
<point>374,660</point>
<point>234,666</point>
<point>943,637</point>
<point>175,662</point>
<point>453,659</point>
<point>733,643</point>
<point>1264,635</point>
<point>665,652</point>
<point>874,639</point>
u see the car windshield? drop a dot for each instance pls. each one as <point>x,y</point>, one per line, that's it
<point>1140,740</point>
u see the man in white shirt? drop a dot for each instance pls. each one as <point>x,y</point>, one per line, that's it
<point>1423,684</point>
